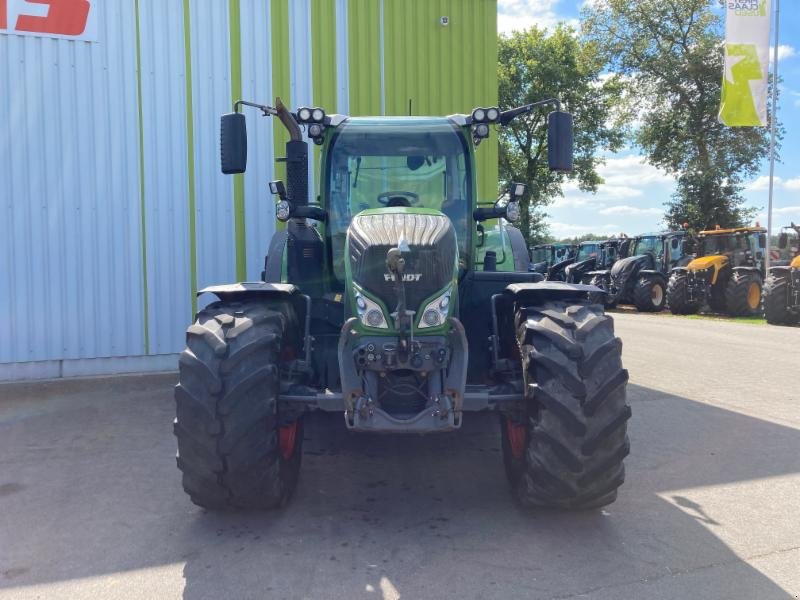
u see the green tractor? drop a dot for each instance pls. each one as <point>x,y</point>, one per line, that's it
<point>383,302</point>
<point>641,277</point>
<point>782,286</point>
<point>726,275</point>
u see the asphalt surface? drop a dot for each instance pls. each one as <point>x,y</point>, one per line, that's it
<point>91,504</point>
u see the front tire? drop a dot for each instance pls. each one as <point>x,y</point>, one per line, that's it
<point>234,450</point>
<point>650,294</point>
<point>566,450</point>
<point>743,294</point>
<point>776,301</point>
<point>678,295</point>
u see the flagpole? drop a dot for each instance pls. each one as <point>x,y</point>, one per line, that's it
<point>772,133</point>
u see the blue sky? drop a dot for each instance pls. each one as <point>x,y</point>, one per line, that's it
<point>632,198</point>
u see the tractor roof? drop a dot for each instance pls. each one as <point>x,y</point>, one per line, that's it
<point>742,230</point>
<point>404,121</point>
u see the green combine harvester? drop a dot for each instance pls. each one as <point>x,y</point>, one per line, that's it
<point>399,302</point>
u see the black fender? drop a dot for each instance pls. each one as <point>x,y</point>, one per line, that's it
<point>780,270</point>
<point>254,290</point>
<point>519,249</point>
<point>273,264</point>
<point>549,290</point>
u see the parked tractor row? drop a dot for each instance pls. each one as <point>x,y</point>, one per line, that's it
<point>723,269</point>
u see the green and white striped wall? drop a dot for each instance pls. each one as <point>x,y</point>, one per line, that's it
<point>118,212</point>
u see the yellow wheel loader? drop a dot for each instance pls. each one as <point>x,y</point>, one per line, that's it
<point>727,274</point>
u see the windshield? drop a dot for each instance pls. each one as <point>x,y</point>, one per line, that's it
<point>540,255</point>
<point>650,244</point>
<point>587,251</point>
<point>723,244</point>
<point>563,253</point>
<point>397,162</point>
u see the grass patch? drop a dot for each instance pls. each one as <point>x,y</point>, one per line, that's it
<point>714,317</point>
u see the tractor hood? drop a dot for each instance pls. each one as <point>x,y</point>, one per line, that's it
<point>427,242</point>
<point>625,265</point>
<point>795,264</point>
<point>582,267</point>
<point>704,262</point>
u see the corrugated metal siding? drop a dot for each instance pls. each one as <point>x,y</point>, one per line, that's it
<point>71,275</point>
<point>436,72</point>
<point>82,212</point>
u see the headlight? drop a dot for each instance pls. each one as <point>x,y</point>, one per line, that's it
<point>315,130</point>
<point>318,114</point>
<point>479,114</point>
<point>512,212</point>
<point>482,130</point>
<point>492,114</point>
<point>369,313</point>
<point>435,312</point>
<point>283,210</point>
<point>304,114</point>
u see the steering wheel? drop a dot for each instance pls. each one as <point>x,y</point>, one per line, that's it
<point>384,198</point>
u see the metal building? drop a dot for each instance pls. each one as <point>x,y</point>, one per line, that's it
<point>113,208</point>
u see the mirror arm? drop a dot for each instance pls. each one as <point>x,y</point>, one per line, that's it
<point>509,115</point>
<point>266,110</point>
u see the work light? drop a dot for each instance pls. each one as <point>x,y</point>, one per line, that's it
<point>478,114</point>
<point>318,115</point>
<point>304,114</point>
<point>492,114</point>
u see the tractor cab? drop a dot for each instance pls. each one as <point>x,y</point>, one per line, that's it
<point>545,256</point>
<point>585,260</point>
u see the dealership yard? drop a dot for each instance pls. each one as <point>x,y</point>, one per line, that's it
<point>91,503</point>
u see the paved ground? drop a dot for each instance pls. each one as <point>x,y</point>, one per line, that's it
<point>91,506</point>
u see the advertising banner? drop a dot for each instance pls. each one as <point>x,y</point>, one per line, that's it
<point>66,19</point>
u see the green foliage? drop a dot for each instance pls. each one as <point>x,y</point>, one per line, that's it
<point>587,237</point>
<point>537,64</point>
<point>671,57</point>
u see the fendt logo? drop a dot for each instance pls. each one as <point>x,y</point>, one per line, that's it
<point>69,19</point>
<point>406,276</point>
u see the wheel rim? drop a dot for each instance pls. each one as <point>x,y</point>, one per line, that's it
<point>753,296</point>
<point>287,438</point>
<point>657,294</point>
<point>516,439</point>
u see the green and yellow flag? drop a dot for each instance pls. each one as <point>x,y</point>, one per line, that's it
<point>744,83</point>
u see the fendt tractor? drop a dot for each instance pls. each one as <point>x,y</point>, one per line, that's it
<point>727,274</point>
<point>641,277</point>
<point>585,251</point>
<point>545,256</point>
<point>593,256</point>
<point>372,305</point>
<point>782,286</point>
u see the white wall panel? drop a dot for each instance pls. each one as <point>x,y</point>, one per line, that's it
<point>216,260</point>
<point>257,87</point>
<point>70,276</point>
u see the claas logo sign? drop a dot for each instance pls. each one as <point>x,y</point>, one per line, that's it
<point>69,19</point>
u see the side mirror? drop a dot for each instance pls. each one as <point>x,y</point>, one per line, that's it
<point>233,143</point>
<point>559,141</point>
<point>762,240</point>
<point>783,241</point>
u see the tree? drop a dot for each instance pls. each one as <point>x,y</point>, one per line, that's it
<point>537,64</point>
<point>670,53</point>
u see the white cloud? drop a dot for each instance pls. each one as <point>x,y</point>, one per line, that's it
<point>515,15</point>
<point>784,51</point>
<point>625,177</point>
<point>761,184</point>
<point>575,202</point>
<point>624,209</point>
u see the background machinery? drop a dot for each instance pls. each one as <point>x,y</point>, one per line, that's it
<point>586,251</point>
<point>727,274</point>
<point>641,277</point>
<point>782,286</point>
<point>377,302</point>
<point>606,254</point>
<point>545,256</point>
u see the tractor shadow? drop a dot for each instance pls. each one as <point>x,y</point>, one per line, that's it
<point>88,488</point>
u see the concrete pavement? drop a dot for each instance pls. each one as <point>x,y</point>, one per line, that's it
<point>91,504</point>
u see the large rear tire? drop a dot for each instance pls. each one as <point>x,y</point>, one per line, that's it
<point>566,451</point>
<point>678,295</point>
<point>233,448</point>
<point>650,293</point>
<point>776,301</point>
<point>743,294</point>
